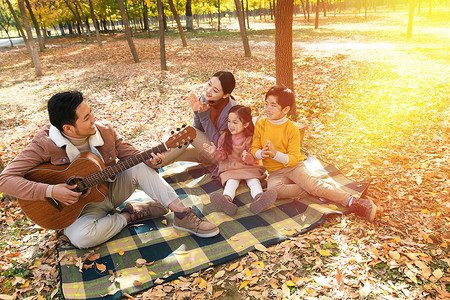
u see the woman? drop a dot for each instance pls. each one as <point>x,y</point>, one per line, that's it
<point>210,119</point>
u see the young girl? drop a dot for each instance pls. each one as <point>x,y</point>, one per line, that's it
<point>210,112</point>
<point>236,163</point>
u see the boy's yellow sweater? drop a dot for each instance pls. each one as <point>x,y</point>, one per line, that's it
<point>284,137</point>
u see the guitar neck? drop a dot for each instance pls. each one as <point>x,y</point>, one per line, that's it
<point>121,166</point>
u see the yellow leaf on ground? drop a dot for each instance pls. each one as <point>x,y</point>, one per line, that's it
<point>248,273</point>
<point>151,273</point>
<point>324,252</point>
<point>219,274</point>
<point>121,252</point>
<point>290,283</point>
<point>394,255</point>
<point>438,273</point>
<point>233,266</point>
<point>261,247</point>
<point>217,294</point>
<point>243,284</point>
<point>202,283</point>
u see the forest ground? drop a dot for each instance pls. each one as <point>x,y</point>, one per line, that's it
<point>376,106</point>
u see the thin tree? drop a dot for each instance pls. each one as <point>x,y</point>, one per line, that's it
<point>283,43</point>
<point>316,21</point>
<point>33,52</point>
<point>97,30</point>
<point>412,4</point>
<point>162,43</point>
<point>77,16</point>
<point>36,27</point>
<point>218,15</point>
<point>5,21</point>
<point>177,19</point>
<point>128,31</point>
<point>189,19</point>
<point>145,16</point>
<point>240,15</point>
<point>303,8</point>
<point>77,4</point>
<point>19,27</point>
<point>324,6</point>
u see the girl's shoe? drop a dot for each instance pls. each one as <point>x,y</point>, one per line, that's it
<point>223,203</point>
<point>263,201</point>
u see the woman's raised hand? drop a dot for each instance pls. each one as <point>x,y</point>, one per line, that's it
<point>194,102</point>
<point>210,148</point>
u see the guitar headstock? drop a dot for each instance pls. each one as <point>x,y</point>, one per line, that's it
<point>182,136</point>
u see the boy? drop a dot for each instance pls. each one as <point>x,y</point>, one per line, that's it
<point>276,142</point>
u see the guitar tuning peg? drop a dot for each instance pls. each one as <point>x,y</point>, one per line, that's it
<point>183,126</point>
<point>179,147</point>
<point>186,143</point>
<point>191,141</point>
<point>178,129</point>
<point>172,132</point>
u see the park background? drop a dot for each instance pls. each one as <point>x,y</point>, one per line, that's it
<point>373,95</point>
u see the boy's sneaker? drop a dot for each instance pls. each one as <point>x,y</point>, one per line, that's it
<point>263,201</point>
<point>223,203</point>
<point>364,208</point>
<point>194,224</point>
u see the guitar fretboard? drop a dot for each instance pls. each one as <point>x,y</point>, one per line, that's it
<point>121,166</point>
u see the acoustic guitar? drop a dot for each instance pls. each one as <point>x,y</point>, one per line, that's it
<point>89,173</point>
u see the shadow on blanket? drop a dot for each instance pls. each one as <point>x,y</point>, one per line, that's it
<point>163,253</point>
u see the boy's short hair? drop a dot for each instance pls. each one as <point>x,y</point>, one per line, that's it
<point>61,108</point>
<point>285,97</point>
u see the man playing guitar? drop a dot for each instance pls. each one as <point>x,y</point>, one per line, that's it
<point>72,134</point>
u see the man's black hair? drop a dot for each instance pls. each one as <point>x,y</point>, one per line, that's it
<point>61,108</point>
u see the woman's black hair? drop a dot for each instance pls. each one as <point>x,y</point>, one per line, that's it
<point>244,114</point>
<point>226,80</point>
<point>61,108</point>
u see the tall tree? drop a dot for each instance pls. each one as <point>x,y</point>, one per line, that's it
<point>242,28</point>
<point>34,54</point>
<point>177,19</point>
<point>316,21</point>
<point>19,27</point>
<point>283,43</point>
<point>218,15</point>
<point>189,19</point>
<point>77,16</point>
<point>97,30</point>
<point>77,4</point>
<point>412,4</point>
<point>162,42</point>
<point>6,20</point>
<point>128,31</point>
<point>36,27</point>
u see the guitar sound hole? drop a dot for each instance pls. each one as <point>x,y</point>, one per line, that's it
<point>81,187</point>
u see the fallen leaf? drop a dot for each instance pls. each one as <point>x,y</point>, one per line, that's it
<point>438,273</point>
<point>324,252</point>
<point>216,294</point>
<point>260,247</point>
<point>140,262</point>
<point>243,284</point>
<point>137,283</point>
<point>219,274</point>
<point>94,257</point>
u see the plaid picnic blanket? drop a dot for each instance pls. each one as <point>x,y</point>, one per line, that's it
<point>164,253</point>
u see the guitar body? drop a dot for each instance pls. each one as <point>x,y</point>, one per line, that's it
<point>48,215</point>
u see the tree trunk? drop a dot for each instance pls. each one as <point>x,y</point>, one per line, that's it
<point>19,27</point>
<point>218,15</point>
<point>128,31</point>
<point>145,16</point>
<point>324,6</point>
<point>77,3</point>
<point>189,20</point>
<point>77,16</point>
<point>34,53</point>
<point>412,5</point>
<point>246,12</point>
<point>243,11</point>
<point>36,27</point>
<point>177,19</point>
<point>308,5</point>
<point>316,21</point>
<point>240,15</point>
<point>97,30</point>
<point>303,8</point>
<point>162,42</point>
<point>283,43</point>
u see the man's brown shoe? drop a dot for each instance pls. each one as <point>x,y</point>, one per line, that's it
<point>194,224</point>
<point>364,208</point>
<point>141,211</point>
